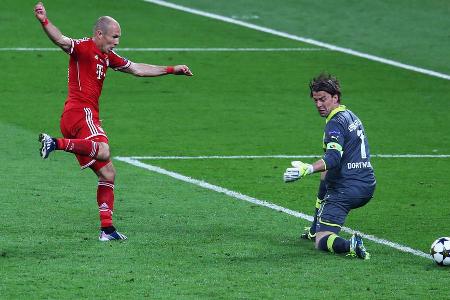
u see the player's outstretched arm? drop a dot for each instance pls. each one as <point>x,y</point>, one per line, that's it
<point>300,169</point>
<point>146,70</point>
<point>51,30</point>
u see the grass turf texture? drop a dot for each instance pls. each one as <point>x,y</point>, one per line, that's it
<point>262,179</point>
<point>405,30</point>
<point>190,242</point>
<point>184,242</point>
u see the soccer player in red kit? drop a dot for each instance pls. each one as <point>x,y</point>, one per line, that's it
<point>80,123</point>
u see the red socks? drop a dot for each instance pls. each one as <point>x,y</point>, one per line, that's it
<point>105,189</point>
<point>78,146</point>
<point>105,201</point>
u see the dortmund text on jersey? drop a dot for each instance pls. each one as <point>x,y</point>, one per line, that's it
<point>347,155</point>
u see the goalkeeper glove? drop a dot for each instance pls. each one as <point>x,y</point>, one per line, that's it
<point>299,169</point>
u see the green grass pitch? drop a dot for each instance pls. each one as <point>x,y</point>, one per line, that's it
<point>189,242</point>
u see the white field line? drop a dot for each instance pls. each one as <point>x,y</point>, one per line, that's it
<point>300,39</point>
<point>286,156</point>
<point>240,196</point>
<point>183,49</point>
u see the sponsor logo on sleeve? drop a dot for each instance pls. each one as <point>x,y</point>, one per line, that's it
<point>334,135</point>
<point>354,125</point>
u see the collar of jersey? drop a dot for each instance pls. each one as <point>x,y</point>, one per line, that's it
<point>335,111</point>
<point>97,49</point>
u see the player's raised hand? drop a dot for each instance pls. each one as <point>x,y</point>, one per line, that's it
<point>182,70</point>
<point>39,12</point>
<point>299,169</point>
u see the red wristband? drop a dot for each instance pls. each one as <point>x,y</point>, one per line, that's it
<point>170,70</point>
<point>45,22</point>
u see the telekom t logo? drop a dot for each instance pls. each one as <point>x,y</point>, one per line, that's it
<point>100,71</point>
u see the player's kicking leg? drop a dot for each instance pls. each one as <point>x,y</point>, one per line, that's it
<point>90,148</point>
<point>48,144</point>
<point>99,151</point>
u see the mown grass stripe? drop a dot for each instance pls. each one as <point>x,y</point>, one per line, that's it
<point>300,39</point>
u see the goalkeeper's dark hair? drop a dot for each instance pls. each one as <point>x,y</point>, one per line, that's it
<point>327,83</point>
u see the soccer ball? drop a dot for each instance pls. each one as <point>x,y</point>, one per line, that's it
<point>440,251</point>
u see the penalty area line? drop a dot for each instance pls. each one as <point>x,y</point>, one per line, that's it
<point>237,195</point>
<point>283,156</point>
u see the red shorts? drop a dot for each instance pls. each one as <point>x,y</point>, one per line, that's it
<point>84,124</point>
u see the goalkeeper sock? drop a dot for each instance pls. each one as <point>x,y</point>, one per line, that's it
<point>78,146</point>
<point>334,243</point>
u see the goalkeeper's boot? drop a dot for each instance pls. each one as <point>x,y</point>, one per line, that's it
<point>115,235</point>
<point>357,248</point>
<point>307,235</point>
<point>48,145</point>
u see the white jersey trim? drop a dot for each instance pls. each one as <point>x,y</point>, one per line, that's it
<point>90,123</point>
<point>88,164</point>
<point>100,134</point>
<point>123,67</point>
<point>103,183</point>
<point>72,46</point>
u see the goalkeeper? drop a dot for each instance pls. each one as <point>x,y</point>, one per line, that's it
<point>347,177</point>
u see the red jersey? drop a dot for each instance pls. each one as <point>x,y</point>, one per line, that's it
<point>87,70</point>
